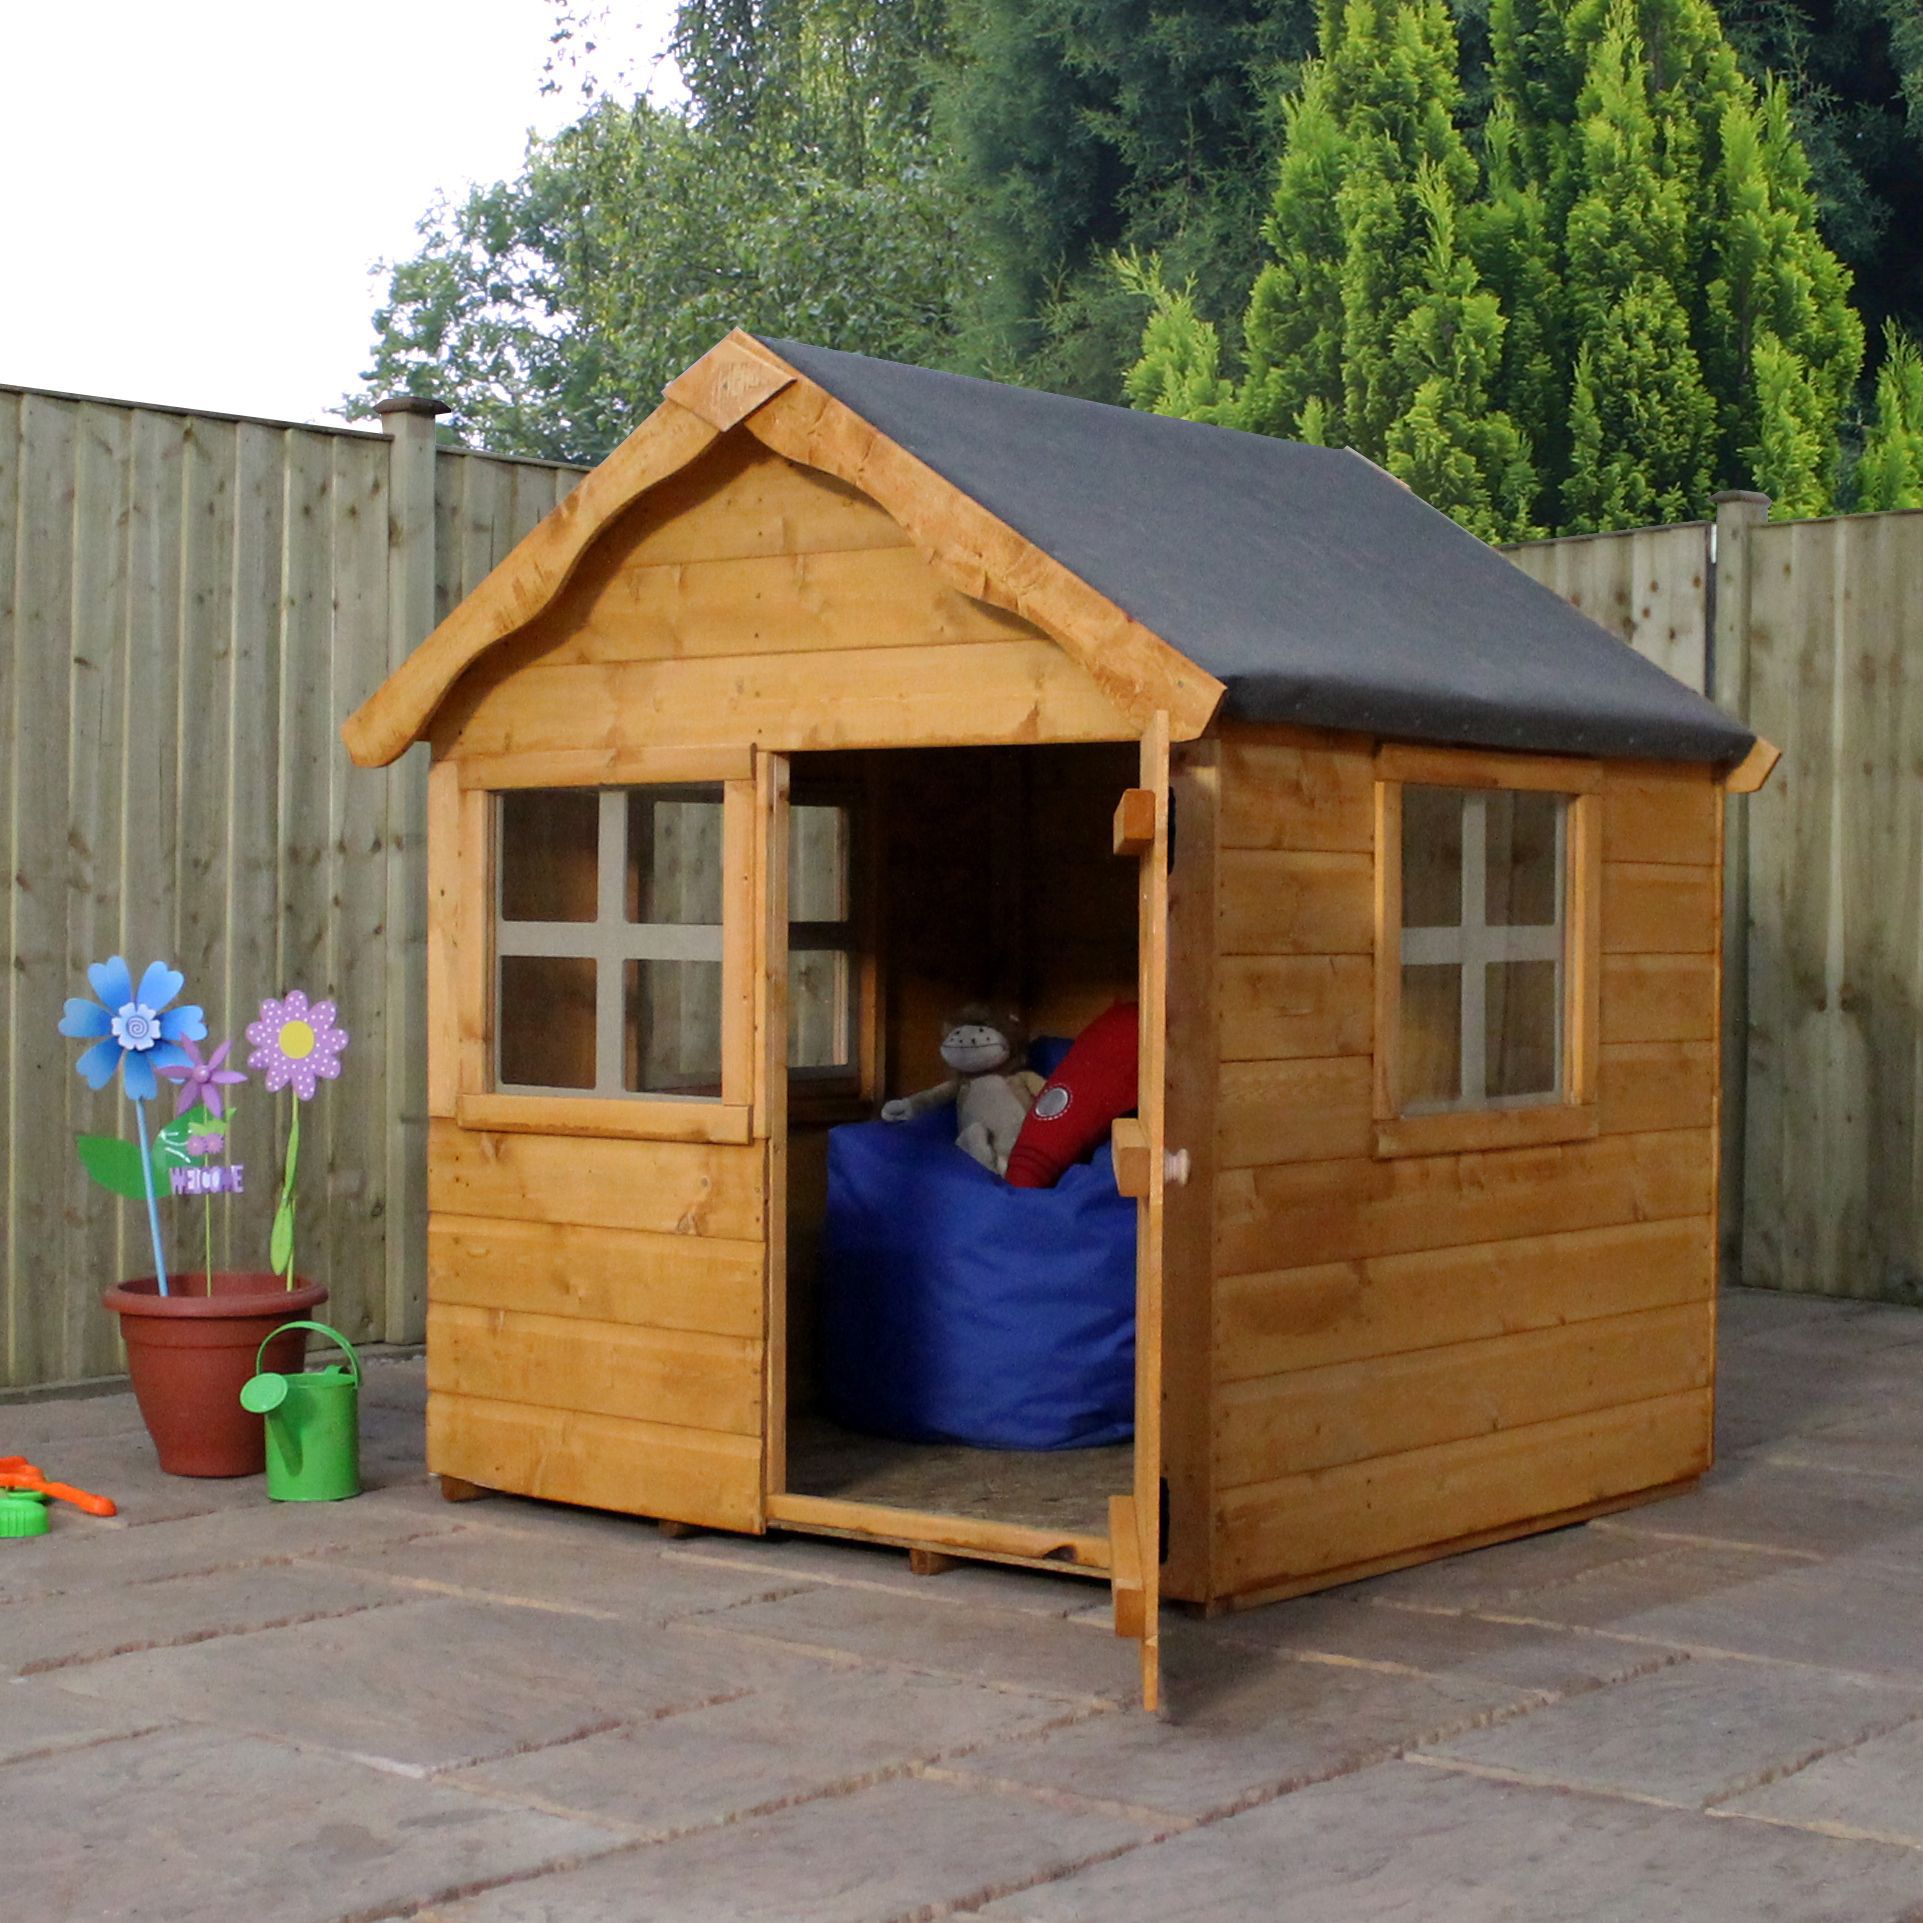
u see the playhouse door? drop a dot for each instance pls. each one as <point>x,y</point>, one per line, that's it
<point>771,1015</point>
<point>1135,1520</point>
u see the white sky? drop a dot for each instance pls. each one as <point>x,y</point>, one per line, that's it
<point>197,189</point>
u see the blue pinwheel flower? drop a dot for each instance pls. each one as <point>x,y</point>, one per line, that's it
<point>126,1025</point>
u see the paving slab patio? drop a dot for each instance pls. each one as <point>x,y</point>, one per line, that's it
<point>394,1708</point>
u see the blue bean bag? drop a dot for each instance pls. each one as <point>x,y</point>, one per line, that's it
<point>958,1309</point>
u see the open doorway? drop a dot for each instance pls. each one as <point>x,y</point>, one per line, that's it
<point>921,882</point>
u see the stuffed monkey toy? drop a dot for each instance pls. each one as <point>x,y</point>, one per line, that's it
<point>990,1102</point>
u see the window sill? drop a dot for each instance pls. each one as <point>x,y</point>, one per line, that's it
<point>663,1120</point>
<point>1464,1131</point>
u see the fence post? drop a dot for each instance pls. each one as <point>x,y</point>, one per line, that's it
<point>1738,513</point>
<point>408,421</point>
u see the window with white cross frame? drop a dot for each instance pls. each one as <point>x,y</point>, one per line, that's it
<point>1483,948</point>
<point>608,941</point>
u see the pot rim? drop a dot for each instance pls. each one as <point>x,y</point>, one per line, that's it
<point>141,1296</point>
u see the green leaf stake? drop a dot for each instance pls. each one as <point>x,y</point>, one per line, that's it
<point>131,1036</point>
<point>296,1045</point>
<point>114,1164</point>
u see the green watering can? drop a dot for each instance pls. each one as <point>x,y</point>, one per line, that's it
<point>313,1424</point>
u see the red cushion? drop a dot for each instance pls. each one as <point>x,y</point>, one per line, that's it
<point>1080,1101</point>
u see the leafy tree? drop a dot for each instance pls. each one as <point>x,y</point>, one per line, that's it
<point>1370,324</point>
<point>1083,128</point>
<point>1642,424</point>
<point>798,194</point>
<point>849,84</point>
<point>1781,339</point>
<point>1627,304</point>
<point>1293,331</point>
<point>1854,73</point>
<point>1451,445</point>
<point>1511,237</point>
<point>1890,474</point>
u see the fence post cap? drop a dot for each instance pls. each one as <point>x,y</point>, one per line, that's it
<point>1739,497</point>
<point>423,404</point>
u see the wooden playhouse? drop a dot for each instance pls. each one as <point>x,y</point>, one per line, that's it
<point>846,690</point>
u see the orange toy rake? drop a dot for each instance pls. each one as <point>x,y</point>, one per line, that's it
<point>16,1472</point>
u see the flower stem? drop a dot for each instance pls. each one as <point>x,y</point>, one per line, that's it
<point>153,1207</point>
<point>287,1186</point>
<point>207,1216</point>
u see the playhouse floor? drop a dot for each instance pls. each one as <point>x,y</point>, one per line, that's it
<point>1065,1489</point>
<point>214,1707</point>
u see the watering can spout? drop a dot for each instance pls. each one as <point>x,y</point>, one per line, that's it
<point>313,1424</point>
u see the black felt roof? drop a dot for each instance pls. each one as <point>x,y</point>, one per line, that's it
<point>1310,583</point>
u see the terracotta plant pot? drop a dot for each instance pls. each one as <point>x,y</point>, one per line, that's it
<point>189,1353</point>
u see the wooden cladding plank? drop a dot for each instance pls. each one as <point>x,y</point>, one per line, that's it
<point>1310,1212</point>
<point>781,603</point>
<point>1331,1519</point>
<point>1305,1110</point>
<point>1658,998</point>
<point>1420,762</point>
<point>638,1468</point>
<point>1659,908</point>
<point>683,1188</point>
<point>666,1119</point>
<point>1460,1131</point>
<point>1279,1007</point>
<point>1271,1322</point>
<point>1383,1405</point>
<point>1651,814</point>
<point>740,500</point>
<point>988,692</point>
<point>685,1379</point>
<point>983,556</point>
<point>1284,902</point>
<point>1298,797</point>
<point>624,1276</point>
<point>1650,1085</point>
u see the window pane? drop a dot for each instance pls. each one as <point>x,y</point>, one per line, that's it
<point>671,1027</point>
<point>546,1032</point>
<point>550,841</point>
<point>818,1009</point>
<point>1431,858</point>
<point>1520,1028</point>
<point>817,863</point>
<point>674,856</point>
<point>1431,1033</point>
<point>1519,882</point>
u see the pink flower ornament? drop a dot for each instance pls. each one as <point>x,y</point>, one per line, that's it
<point>296,1044</point>
<point>201,1081</point>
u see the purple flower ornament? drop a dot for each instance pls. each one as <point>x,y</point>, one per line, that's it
<point>201,1081</point>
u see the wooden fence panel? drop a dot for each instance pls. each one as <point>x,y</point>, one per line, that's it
<point>1835,1126</point>
<point>189,606</point>
<point>1826,1108</point>
<point>1649,586</point>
